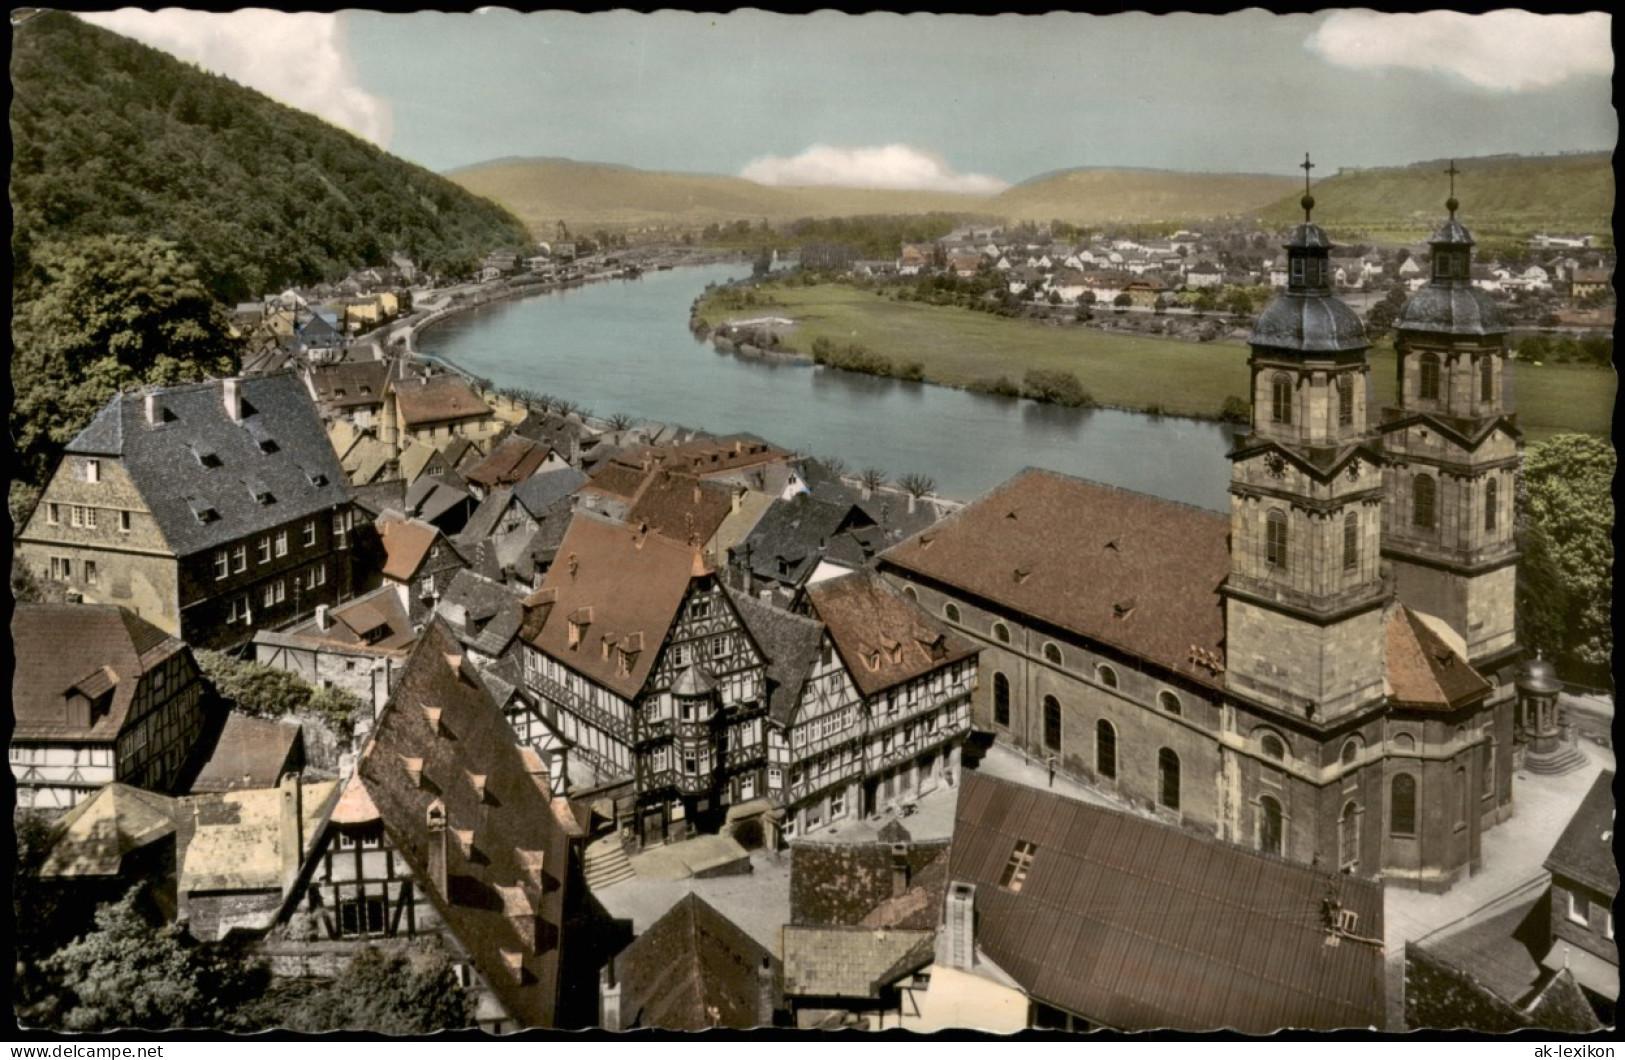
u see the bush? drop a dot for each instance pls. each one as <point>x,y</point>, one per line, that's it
<point>1236,410</point>
<point>1056,388</point>
<point>262,691</point>
<point>1000,387</point>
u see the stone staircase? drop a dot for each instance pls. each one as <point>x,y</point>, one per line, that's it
<point>1565,759</point>
<point>606,863</point>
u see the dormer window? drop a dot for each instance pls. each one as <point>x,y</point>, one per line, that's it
<point>93,470</point>
<point>206,457</point>
<point>268,445</point>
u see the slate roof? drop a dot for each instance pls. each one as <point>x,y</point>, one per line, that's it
<point>94,837</point>
<point>251,753</point>
<point>1585,851</point>
<point>681,507</point>
<point>627,587</point>
<point>60,647</point>
<point>1138,925</point>
<point>487,516</point>
<point>851,962</point>
<point>441,745</point>
<point>694,969</point>
<point>852,884</point>
<point>1308,321</point>
<point>1456,308</point>
<point>558,433</point>
<point>797,532</point>
<point>541,492</point>
<point>790,642</point>
<point>1424,671</point>
<point>352,622</point>
<point>883,638</point>
<point>432,499</point>
<point>513,460</point>
<point>480,613</point>
<point>1117,567</point>
<point>302,475</point>
<point>351,384</point>
<point>438,399</point>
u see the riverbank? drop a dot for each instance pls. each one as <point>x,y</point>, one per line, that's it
<point>956,348</point>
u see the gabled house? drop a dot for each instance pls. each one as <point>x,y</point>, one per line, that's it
<point>510,462</point>
<point>1112,920</point>
<point>475,819</point>
<point>251,753</point>
<point>1585,882</point>
<point>442,502</point>
<point>790,540</point>
<point>99,695</point>
<point>419,561</point>
<point>641,660</point>
<point>435,409</point>
<point>210,509</point>
<point>360,646</point>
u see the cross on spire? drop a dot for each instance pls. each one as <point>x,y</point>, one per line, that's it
<point>1450,203</point>
<point>1308,200</point>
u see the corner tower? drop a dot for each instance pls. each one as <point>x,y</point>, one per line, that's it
<point>1304,599</point>
<point>1452,456</point>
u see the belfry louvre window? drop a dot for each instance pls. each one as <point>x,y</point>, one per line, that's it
<point>1428,390</point>
<point>1345,400</point>
<point>1490,498</point>
<point>1281,398</point>
<point>1016,869</point>
<point>1275,539</point>
<point>1423,501</point>
<point>1486,380</point>
<point>1351,541</point>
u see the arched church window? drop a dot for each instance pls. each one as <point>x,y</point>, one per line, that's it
<point>1052,723</point>
<point>1052,653</point>
<point>1402,805</point>
<point>1351,751</point>
<point>1168,778</point>
<point>951,612</point>
<point>1423,501</point>
<point>1491,492</point>
<point>1429,369</point>
<point>1272,747</point>
<point>1169,702</point>
<point>1351,541</point>
<point>1404,742</point>
<point>1001,700</point>
<point>1345,400</point>
<point>1106,675</point>
<point>1486,379</point>
<point>1280,398</point>
<point>1348,837</point>
<point>1270,831</point>
<point>1105,749</point>
<point>1001,633</point>
<point>1275,539</point>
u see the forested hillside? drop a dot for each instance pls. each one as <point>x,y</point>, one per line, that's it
<point>145,193</point>
<point>113,137</point>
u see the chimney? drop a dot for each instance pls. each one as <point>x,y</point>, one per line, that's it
<point>154,414</point>
<point>323,621</point>
<point>609,998</point>
<point>230,390</point>
<point>960,929</point>
<point>291,829</point>
<point>899,869</point>
<point>911,504</point>
<point>765,1007</point>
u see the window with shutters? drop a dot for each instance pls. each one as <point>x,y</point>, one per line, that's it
<point>1428,369</point>
<point>1345,400</point>
<point>1490,498</point>
<point>1281,398</point>
<point>1423,500</point>
<point>1351,541</point>
<point>1275,539</point>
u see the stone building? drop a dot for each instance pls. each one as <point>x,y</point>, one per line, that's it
<point>210,510</point>
<point>1323,676</point>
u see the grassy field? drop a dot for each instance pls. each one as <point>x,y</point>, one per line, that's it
<point>961,348</point>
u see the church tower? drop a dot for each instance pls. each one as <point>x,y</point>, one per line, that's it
<point>1304,600</point>
<point>1452,447</point>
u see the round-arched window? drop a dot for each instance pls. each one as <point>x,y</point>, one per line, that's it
<point>908,591</point>
<point>1169,702</point>
<point>1351,751</point>
<point>1106,675</point>
<point>1272,746</point>
<point>951,612</point>
<point>1001,633</point>
<point>1404,742</point>
<point>1052,653</point>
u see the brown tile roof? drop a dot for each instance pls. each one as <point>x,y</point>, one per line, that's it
<point>618,587</point>
<point>713,456</point>
<point>442,748</point>
<point>617,480</point>
<point>251,753</point>
<point>681,507</point>
<point>439,399</point>
<point>1585,850</point>
<point>852,884</point>
<point>851,962</point>
<point>91,648</point>
<point>1137,925</point>
<point>514,459</point>
<point>354,805</point>
<point>351,383</point>
<point>1423,671</point>
<point>1117,567</point>
<point>694,969</point>
<point>406,544</point>
<point>883,638</point>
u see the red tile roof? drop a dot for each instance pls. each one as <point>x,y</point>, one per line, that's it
<point>1111,565</point>
<point>617,586</point>
<point>439,399</point>
<point>513,460</point>
<point>1138,925</point>
<point>681,507</point>
<point>406,544</point>
<point>251,753</point>
<point>1424,672</point>
<point>442,749</point>
<point>92,648</point>
<point>884,639</point>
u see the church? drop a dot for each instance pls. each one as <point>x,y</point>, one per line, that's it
<point>1331,673</point>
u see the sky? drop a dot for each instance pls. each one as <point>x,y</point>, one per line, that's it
<point>944,102</point>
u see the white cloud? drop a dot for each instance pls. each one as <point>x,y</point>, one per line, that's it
<point>1506,50</point>
<point>895,166</point>
<point>295,58</point>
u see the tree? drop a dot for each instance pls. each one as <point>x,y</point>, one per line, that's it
<point>395,993</point>
<point>1056,387</point>
<point>1567,508</point>
<point>262,691</point>
<point>114,312</point>
<point>872,478</point>
<point>917,485</point>
<point>1123,299</point>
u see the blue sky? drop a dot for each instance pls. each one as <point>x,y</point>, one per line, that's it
<point>954,102</point>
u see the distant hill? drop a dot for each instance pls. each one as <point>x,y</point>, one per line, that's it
<point>585,195</point>
<point>542,191</point>
<point>1507,196</point>
<point>1139,196</point>
<point>110,136</point>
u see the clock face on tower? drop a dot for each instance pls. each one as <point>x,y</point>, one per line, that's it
<point>1275,464</point>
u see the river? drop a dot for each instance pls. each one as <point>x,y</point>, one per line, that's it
<point>624,346</point>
